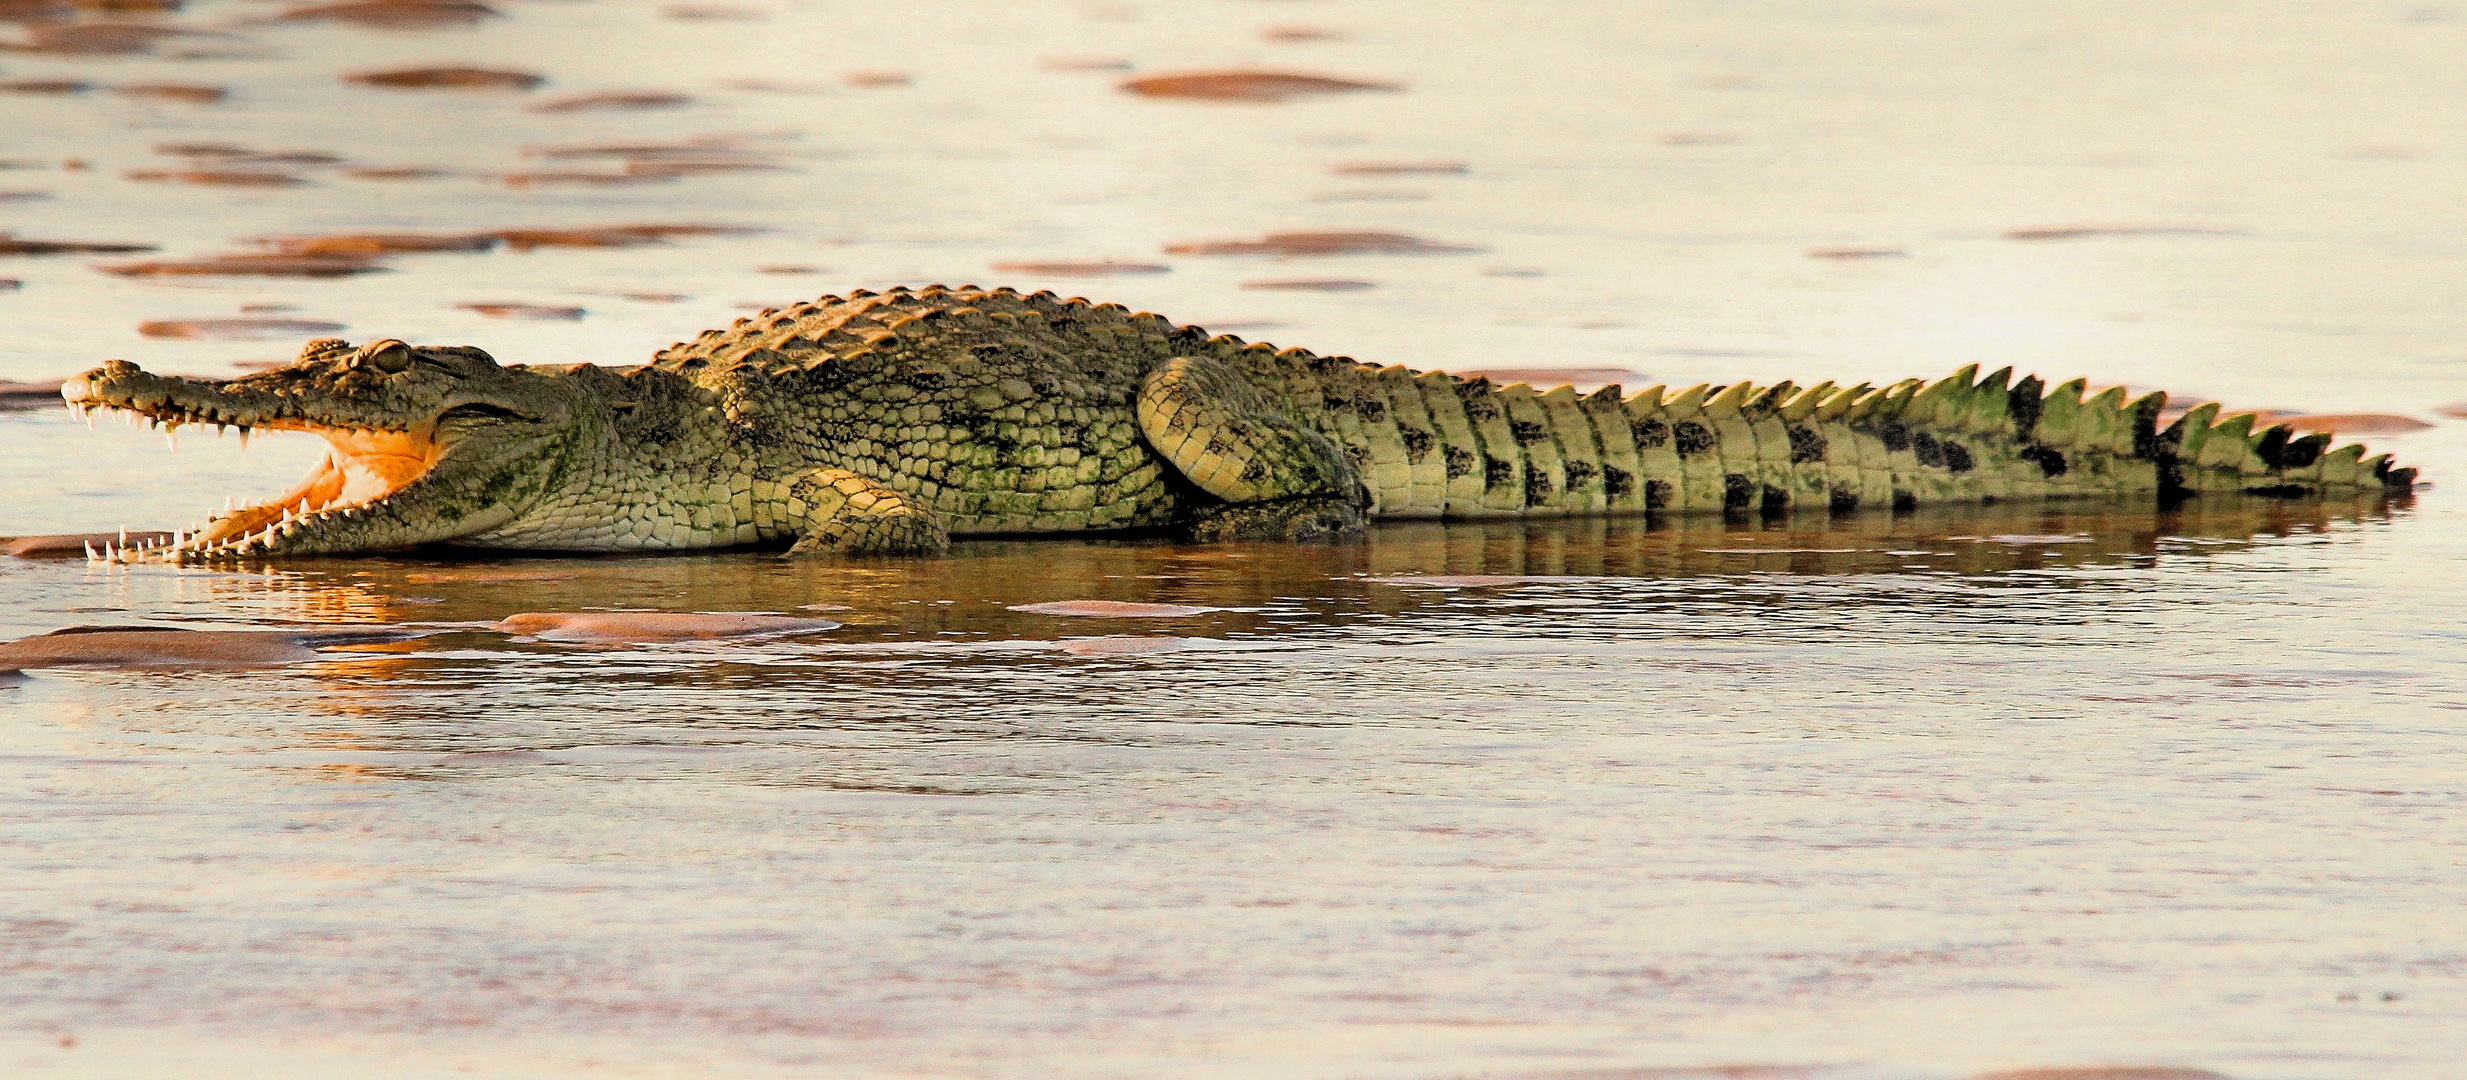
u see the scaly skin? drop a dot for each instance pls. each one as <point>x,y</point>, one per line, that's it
<point>885,424</point>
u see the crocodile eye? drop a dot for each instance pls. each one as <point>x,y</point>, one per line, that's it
<point>389,356</point>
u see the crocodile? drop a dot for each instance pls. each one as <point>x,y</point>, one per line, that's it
<point>887,423</point>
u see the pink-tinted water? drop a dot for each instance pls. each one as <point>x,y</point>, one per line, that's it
<point>1924,797</point>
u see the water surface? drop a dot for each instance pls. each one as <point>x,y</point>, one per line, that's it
<point>1920,796</point>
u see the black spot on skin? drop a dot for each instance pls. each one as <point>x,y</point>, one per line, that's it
<point>1761,405</point>
<point>1460,462</point>
<point>1843,499</point>
<point>1497,472</point>
<point>1956,456</point>
<point>1579,473</point>
<point>1650,434</point>
<point>1775,501</point>
<point>2272,443</point>
<point>1480,405</point>
<point>1806,444</point>
<point>1894,434</point>
<point>1417,443</point>
<point>1537,488</point>
<point>2171,476</point>
<point>1527,432</point>
<point>1370,409</point>
<point>2146,430</point>
<point>1616,481</point>
<point>2279,450</point>
<point>2023,404</point>
<point>1737,491</point>
<point>2050,462</point>
<point>1256,471</point>
<point>1657,494</point>
<point>1929,452</point>
<point>1690,438</point>
<point>1904,502</point>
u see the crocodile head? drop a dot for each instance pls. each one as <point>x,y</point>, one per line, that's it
<point>428,444</point>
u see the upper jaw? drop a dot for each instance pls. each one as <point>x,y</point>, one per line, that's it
<point>173,401</point>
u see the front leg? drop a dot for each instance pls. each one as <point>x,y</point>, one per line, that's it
<point>837,512</point>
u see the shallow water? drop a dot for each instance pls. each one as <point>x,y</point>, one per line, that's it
<point>1925,796</point>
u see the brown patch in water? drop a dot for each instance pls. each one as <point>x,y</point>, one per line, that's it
<point>10,284</point>
<point>12,245</point>
<point>651,627</point>
<point>151,647</point>
<point>452,77</point>
<point>1290,35</point>
<point>875,80</point>
<point>396,14</point>
<point>215,177</point>
<point>194,95</point>
<point>1318,285</point>
<point>2345,423</point>
<point>400,172</point>
<point>615,100</point>
<point>1401,168</point>
<point>787,269</point>
<point>1250,86</point>
<point>23,196</point>
<point>95,39</point>
<point>1856,253</point>
<point>1111,609</point>
<point>268,265</point>
<point>681,165</point>
<point>69,545</point>
<point>658,297</point>
<point>45,86</point>
<point>1320,243</point>
<point>542,179</point>
<point>235,329</point>
<point>713,13</point>
<point>232,154</point>
<point>372,244</point>
<point>710,154</point>
<point>2083,232</point>
<point>609,236</point>
<point>21,396</point>
<point>540,312</point>
<point>1097,268</point>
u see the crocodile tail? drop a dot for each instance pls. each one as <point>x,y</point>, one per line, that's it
<point>1960,439</point>
<point>1433,445</point>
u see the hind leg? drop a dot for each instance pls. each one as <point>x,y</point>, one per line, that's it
<point>841,513</point>
<point>1278,479</point>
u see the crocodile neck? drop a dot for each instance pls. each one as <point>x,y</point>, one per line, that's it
<point>655,465</point>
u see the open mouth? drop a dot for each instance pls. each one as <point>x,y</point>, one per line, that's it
<point>362,468</point>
